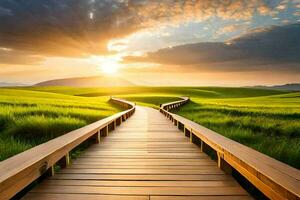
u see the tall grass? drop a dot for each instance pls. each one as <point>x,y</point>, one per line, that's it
<point>29,118</point>
<point>272,130</point>
<point>10,146</point>
<point>38,129</point>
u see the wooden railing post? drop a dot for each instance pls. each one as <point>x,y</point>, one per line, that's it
<point>50,172</point>
<point>201,146</point>
<point>105,130</point>
<point>223,165</point>
<point>96,137</point>
<point>115,124</point>
<point>191,136</point>
<point>204,147</point>
<point>64,161</point>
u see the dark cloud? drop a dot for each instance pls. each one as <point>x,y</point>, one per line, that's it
<point>5,11</point>
<point>83,27</point>
<point>273,47</point>
<point>63,28</point>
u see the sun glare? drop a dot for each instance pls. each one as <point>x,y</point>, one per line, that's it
<point>108,65</point>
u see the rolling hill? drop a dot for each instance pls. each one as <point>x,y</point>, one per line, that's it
<point>92,81</point>
<point>6,84</point>
<point>288,87</point>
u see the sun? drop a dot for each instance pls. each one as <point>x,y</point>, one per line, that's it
<point>109,67</point>
<point>107,64</point>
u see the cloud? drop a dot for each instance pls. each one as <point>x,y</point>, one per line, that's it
<point>13,57</point>
<point>230,28</point>
<point>297,13</point>
<point>5,11</point>
<point>84,27</point>
<point>275,47</point>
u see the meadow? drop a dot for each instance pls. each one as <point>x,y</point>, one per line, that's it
<point>268,124</point>
<point>29,118</point>
<point>266,120</point>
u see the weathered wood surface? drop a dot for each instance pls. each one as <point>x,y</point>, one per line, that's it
<point>145,158</point>
<point>274,178</point>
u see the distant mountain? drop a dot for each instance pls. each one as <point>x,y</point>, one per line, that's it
<point>92,81</point>
<point>289,87</point>
<point>5,84</point>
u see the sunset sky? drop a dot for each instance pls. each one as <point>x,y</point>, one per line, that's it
<point>170,42</point>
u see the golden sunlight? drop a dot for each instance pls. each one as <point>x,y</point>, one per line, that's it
<point>107,64</point>
<point>110,67</point>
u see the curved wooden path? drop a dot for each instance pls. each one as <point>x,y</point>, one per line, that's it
<point>145,158</point>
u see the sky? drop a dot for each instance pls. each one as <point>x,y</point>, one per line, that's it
<point>151,42</point>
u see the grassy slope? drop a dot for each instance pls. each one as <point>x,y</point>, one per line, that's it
<point>28,118</point>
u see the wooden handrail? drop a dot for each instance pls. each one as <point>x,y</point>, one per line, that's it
<point>22,169</point>
<point>272,177</point>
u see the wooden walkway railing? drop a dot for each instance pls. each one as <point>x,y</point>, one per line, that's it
<point>147,158</point>
<point>273,178</point>
<point>21,170</point>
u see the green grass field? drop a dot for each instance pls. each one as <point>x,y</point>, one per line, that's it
<point>28,118</point>
<point>268,124</point>
<point>266,120</point>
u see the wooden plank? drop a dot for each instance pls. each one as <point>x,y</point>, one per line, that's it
<point>132,160</point>
<point>200,198</point>
<point>95,166</point>
<point>148,144</point>
<point>208,170</point>
<point>204,177</point>
<point>142,183</point>
<point>39,196</point>
<point>151,148</point>
<point>138,163</point>
<point>145,156</point>
<point>141,190</point>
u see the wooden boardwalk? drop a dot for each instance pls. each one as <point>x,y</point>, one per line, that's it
<point>145,158</point>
